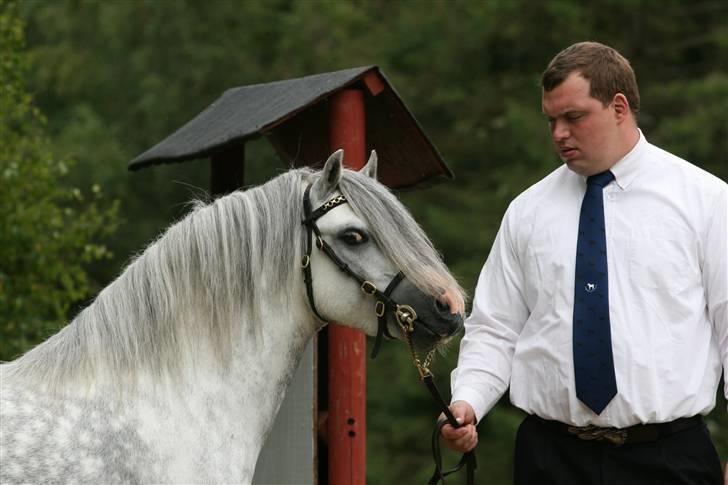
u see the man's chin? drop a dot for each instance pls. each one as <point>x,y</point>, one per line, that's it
<point>576,166</point>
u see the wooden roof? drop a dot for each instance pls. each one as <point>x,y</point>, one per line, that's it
<point>293,114</point>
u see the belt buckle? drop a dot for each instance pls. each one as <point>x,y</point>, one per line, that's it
<point>617,437</point>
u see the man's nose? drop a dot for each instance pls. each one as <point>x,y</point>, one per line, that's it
<point>559,130</point>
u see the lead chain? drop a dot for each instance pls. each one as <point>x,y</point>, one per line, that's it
<point>407,327</point>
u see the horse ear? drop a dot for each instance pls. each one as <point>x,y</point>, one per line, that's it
<point>370,169</point>
<point>330,175</point>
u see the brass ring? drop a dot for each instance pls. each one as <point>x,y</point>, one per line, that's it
<point>406,317</point>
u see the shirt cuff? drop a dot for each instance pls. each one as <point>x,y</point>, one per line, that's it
<point>482,401</point>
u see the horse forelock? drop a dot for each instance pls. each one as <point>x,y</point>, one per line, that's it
<point>398,235</point>
<point>203,280</point>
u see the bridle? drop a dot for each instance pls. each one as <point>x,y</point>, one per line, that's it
<point>405,317</point>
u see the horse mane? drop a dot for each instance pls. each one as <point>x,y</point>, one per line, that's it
<point>196,285</point>
<point>202,282</point>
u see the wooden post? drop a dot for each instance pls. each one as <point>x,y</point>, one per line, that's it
<point>227,170</point>
<point>346,346</point>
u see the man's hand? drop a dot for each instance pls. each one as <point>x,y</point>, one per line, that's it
<point>465,437</point>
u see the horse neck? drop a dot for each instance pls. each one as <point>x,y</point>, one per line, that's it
<point>262,368</point>
<point>235,406</point>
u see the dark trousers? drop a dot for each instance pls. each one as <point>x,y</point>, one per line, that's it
<point>546,456</point>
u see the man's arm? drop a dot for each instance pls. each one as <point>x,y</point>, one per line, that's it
<point>715,282</point>
<point>494,325</point>
<point>715,275</point>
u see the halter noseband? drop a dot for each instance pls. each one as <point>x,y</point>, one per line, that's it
<point>404,314</point>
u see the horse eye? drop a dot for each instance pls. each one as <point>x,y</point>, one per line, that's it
<point>353,237</point>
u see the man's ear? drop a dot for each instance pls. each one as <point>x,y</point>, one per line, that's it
<point>621,107</point>
<point>328,179</point>
<point>370,169</point>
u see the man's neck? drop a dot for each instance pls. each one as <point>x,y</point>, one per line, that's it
<point>628,141</point>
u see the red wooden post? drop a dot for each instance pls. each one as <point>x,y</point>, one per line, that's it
<point>347,347</point>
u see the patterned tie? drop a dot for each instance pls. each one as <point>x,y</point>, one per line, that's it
<point>596,384</point>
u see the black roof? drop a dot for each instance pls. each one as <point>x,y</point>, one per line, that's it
<point>293,114</point>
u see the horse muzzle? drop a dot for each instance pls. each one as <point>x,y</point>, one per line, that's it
<point>429,320</point>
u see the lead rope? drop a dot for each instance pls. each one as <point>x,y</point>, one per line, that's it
<point>406,317</point>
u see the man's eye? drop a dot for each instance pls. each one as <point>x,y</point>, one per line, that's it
<point>574,116</point>
<point>353,237</point>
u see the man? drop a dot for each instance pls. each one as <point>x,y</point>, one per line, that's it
<point>603,304</point>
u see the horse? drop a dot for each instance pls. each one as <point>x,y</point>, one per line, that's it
<point>176,371</point>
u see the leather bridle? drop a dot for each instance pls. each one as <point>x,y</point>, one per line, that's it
<point>405,316</point>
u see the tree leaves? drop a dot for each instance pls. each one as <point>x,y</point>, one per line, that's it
<point>47,232</point>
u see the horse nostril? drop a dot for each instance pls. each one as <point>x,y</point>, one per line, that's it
<point>442,306</point>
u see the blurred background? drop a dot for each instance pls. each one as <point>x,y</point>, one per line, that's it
<point>89,85</point>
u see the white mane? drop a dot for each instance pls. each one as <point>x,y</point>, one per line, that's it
<point>200,281</point>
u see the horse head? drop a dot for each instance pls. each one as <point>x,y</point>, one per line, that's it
<point>371,266</point>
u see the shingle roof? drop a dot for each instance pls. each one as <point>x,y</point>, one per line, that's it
<point>293,114</point>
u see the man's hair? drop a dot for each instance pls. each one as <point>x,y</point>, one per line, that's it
<point>607,71</point>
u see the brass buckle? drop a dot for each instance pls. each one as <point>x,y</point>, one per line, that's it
<point>617,437</point>
<point>380,308</point>
<point>305,261</point>
<point>368,287</point>
<point>319,242</point>
<point>406,317</point>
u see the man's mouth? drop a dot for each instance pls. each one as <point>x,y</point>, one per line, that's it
<point>567,152</point>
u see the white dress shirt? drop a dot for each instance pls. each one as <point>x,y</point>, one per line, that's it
<point>666,230</point>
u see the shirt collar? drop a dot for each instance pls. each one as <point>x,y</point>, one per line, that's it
<point>628,167</point>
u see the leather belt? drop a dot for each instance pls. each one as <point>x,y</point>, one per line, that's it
<point>640,433</point>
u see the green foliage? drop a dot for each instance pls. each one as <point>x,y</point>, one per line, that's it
<point>117,77</point>
<point>47,232</point>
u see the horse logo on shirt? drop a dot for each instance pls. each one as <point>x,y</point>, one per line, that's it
<point>590,287</point>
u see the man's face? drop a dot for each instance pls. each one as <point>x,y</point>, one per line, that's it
<point>584,132</point>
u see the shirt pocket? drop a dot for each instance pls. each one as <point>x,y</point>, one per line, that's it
<point>664,258</point>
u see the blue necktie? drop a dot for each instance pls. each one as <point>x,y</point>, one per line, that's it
<point>596,384</point>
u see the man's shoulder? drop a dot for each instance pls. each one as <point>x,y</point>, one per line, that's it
<point>675,167</point>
